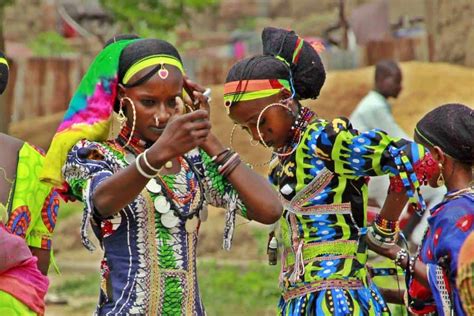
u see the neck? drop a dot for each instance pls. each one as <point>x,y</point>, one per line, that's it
<point>302,120</point>
<point>459,181</point>
<point>380,92</point>
<point>135,145</point>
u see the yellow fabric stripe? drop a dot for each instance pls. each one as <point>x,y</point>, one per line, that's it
<point>152,61</point>
<point>247,96</point>
<point>4,61</point>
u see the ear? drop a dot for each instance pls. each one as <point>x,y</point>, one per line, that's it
<point>284,94</point>
<point>438,154</point>
<point>120,91</point>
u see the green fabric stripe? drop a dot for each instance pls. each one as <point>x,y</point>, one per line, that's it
<point>319,249</point>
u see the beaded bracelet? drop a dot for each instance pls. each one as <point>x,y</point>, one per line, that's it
<point>411,264</point>
<point>386,224</point>
<point>383,235</point>
<point>402,254</point>
<point>376,239</point>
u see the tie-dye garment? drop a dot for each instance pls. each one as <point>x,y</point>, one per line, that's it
<point>449,225</point>
<point>323,185</point>
<point>147,269</point>
<point>33,205</point>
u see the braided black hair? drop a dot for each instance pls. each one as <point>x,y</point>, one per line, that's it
<point>385,68</point>
<point>4,73</point>
<point>120,37</point>
<point>308,74</point>
<point>451,127</point>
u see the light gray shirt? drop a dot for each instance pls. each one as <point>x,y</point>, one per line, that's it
<point>373,111</point>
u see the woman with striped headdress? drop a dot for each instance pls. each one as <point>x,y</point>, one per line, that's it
<point>146,190</point>
<point>320,169</point>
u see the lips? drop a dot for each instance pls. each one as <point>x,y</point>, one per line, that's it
<point>158,129</point>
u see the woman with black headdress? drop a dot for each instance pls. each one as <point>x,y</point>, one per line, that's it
<point>448,133</point>
<point>146,190</point>
<point>320,170</point>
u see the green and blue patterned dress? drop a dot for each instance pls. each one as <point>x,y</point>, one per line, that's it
<point>323,185</point>
<point>149,264</point>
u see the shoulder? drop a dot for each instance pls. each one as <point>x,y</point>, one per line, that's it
<point>9,143</point>
<point>90,150</point>
<point>459,212</point>
<point>92,157</point>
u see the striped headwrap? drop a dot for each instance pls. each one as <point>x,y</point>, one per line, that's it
<point>253,89</point>
<point>90,110</point>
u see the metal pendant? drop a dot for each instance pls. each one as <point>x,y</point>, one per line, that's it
<point>153,186</point>
<point>203,213</point>
<point>162,205</point>
<point>169,220</point>
<point>192,224</point>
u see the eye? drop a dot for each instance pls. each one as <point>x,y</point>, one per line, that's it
<point>172,103</point>
<point>148,102</point>
<point>262,121</point>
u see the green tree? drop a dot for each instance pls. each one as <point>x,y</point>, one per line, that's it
<point>151,17</point>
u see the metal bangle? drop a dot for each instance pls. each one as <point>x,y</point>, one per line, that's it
<point>140,169</point>
<point>145,159</point>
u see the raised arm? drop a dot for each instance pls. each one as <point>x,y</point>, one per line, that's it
<point>261,201</point>
<point>181,135</point>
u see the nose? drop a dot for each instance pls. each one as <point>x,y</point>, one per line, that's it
<point>254,133</point>
<point>163,114</point>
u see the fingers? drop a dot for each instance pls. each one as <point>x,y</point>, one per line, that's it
<point>193,85</point>
<point>194,116</point>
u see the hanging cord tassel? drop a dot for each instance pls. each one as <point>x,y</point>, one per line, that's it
<point>299,264</point>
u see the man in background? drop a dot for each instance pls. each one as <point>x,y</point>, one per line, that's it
<point>374,111</point>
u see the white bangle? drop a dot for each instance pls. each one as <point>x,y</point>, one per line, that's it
<point>140,170</point>
<point>148,164</point>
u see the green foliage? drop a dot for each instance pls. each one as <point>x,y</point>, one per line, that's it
<point>237,290</point>
<point>154,17</point>
<point>50,44</point>
<point>83,285</point>
<point>68,209</point>
<point>5,3</point>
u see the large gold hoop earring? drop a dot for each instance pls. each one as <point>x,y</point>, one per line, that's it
<point>253,142</point>
<point>440,181</point>
<point>134,117</point>
<point>231,140</point>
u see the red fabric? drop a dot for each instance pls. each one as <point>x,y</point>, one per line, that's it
<point>425,169</point>
<point>418,291</point>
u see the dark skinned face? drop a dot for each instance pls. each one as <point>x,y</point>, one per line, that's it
<point>154,98</point>
<point>391,85</point>
<point>275,122</point>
